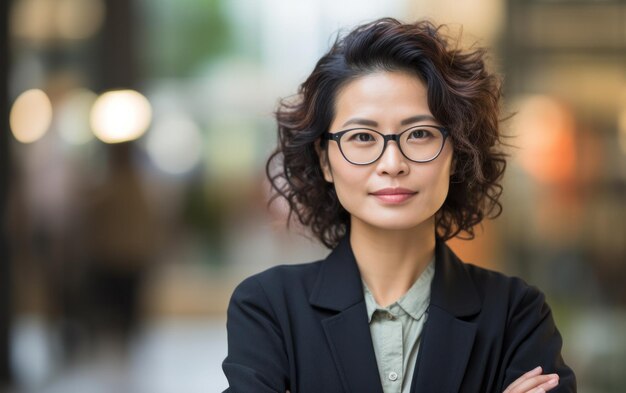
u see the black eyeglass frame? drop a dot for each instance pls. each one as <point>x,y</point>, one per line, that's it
<point>336,136</point>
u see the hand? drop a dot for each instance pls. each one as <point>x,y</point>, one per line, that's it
<point>533,382</point>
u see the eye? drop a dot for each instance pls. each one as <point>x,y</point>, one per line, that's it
<point>420,133</point>
<point>362,137</point>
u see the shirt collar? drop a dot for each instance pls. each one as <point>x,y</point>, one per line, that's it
<point>414,302</point>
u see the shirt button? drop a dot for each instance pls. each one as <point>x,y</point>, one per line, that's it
<point>393,376</point>
<point>390,316</point>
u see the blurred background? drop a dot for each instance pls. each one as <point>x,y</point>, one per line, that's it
<point>133,139</point>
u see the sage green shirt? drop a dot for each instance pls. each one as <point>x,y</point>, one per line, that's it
<point>396,332</point>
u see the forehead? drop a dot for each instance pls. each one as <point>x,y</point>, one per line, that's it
<point>382,96</point>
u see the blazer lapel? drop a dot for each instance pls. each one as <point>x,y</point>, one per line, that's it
<point>338,287</point>
<point>447,340</point>
<point>445,349</point>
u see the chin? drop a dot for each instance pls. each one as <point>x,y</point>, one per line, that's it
<point>398,223</point>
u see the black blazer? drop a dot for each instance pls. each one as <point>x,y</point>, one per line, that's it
<point>304,328</point>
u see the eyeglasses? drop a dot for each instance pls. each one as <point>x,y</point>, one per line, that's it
<point>363,146</point>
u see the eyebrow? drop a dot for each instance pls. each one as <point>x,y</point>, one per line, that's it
<point>372,123</point>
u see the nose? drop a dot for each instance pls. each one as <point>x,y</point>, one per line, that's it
<point>392,162</point>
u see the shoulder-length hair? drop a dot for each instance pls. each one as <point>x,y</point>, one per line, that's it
<point>462,95</point>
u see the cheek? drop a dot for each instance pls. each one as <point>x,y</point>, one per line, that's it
<point>435,177</point>
<point>443,187</point>
<point>441,179</point>
<point>349,180</point>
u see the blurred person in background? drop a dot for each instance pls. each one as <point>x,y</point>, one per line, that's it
<point>391,147</point>
<point>122,244</point>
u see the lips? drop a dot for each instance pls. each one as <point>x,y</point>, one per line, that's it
<point>393,195</point>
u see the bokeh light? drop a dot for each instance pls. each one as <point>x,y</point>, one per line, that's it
<point>120,116</point>
<point>72,116</point>
<point>44,20</point>
<point>175,144</point>
<point>31,116</point>
<point>545,128</point>
<point>79,19</point>
<point>30,19</point>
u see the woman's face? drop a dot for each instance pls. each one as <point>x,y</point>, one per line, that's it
<point>384,101</point>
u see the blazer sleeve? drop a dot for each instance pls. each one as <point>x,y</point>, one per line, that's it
<point>256,360</point>
<point>532,340</point>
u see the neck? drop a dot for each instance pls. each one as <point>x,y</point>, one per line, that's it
<point>391,260</point>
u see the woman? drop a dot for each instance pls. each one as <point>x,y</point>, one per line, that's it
<point>389,149</point>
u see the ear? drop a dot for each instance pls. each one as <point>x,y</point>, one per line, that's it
<point>322,155</point>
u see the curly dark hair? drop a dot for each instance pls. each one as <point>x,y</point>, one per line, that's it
<point>462,95</point>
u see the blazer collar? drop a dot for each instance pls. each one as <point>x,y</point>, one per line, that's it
<point>453,288</point>
<point>339,284</point>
